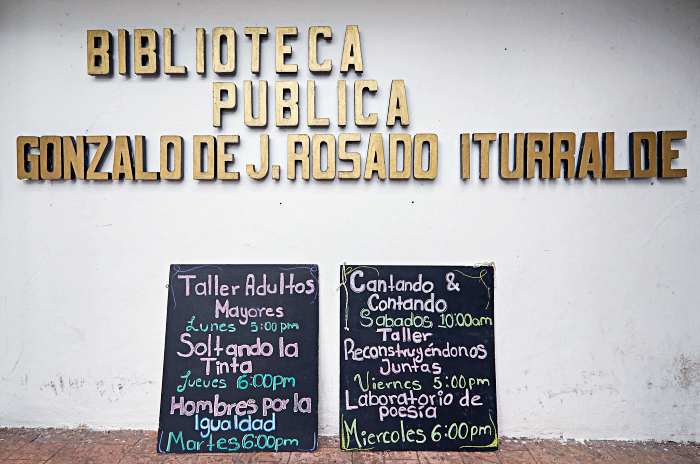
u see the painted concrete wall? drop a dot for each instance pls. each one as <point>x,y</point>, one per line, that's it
<point>597,306</point>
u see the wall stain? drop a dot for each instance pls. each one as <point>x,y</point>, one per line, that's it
<point>592,382</point>
<point>111,389</point>
<point>687,371</point>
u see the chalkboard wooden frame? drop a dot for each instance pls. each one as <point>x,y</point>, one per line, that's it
<point>366,425</point>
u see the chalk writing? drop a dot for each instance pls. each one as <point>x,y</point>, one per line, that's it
<point>417,358</point>
<point>240,371</point>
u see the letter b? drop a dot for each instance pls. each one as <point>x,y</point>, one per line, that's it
<point>99,53</point>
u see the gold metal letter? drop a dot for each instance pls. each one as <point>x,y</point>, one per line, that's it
<point>199,171</point>
<point>465,155</point>
<point>122,47</point>
<point>145,51</point>
<point>248,113</point>
<point>406,146</point>
<point>219,36</point>
<point>174,141</point>
<point>223,158</point>
<point>51,159</point>
<point>484,140</point>
<point>27,162</point>
<point>122,161</point>
<point>282,50</point>
<point>532,155</point>
<point>99,53</point>
<point>219,89</point>
<point>93,171</point>
<point>352,51</point>
<point>140,160</point>
<point>609,170</point>
<point>255,34</point>
<point>314,65</point>
<point>311,118</point>
<point>375,157</point>
<point>352,156</point>
<point>418,141</point>
<point>559,156</point>
<point>648,166</point>
<point>169,66</point>
<point>200,50</point>
<point>291,104</point>
<point>519,155</point>
<point>360,87</point>
<point>398,104</point>
<point>73,157</point>
<point>589,162</point>
<point>329,141</point>
<point>668,154</point>
<point>342,103</point>
<point>294,157</point>
<point>261,173</point>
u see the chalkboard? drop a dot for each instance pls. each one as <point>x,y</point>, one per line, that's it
<point>417,368</point>
<point>240,371</point>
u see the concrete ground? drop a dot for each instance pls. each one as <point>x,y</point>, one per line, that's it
<point>60,446</point>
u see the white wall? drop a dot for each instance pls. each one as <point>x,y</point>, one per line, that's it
<point>597,307</point>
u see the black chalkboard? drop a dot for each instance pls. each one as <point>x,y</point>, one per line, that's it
<point>240,371</point>
<point>417,367</point>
